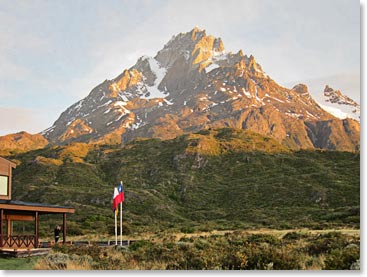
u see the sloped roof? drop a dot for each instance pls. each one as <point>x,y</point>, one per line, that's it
<point>29,206</point>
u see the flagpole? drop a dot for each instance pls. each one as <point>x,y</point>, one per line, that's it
<point>121,221</point>
<point>115,228</point>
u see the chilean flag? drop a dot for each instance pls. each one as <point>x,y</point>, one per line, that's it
<point>118,197</point>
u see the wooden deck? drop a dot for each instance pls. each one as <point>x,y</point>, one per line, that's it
<point>45,246</point>
<point>22,252</point>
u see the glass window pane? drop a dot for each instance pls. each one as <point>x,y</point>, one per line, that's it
<point>4,185</point>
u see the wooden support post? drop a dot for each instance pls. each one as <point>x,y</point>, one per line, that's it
<point>8,227</point>
<point>36,224</point>
<point>1,227</point>
<point>64,228</point>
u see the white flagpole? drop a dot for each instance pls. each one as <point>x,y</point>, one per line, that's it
<point>121,222</point>
<point>116,227</point>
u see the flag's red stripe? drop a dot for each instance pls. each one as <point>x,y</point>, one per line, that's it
<point>118,199</point>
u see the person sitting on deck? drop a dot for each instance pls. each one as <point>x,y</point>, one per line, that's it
<point>57,233</point>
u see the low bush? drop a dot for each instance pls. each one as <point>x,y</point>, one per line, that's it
<point>291,236</point>
<point>187,230</point>
<point>263,238</point>
<point>323,244</point>
<point>342,258</point>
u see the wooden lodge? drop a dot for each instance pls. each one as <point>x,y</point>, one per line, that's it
<point>12,210</point>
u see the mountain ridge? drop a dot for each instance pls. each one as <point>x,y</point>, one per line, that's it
<point>191,84</point>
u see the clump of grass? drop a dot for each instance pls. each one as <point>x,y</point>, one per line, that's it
<point>61,261</point>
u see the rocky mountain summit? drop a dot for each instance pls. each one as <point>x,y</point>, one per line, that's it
<point>340,105</point>
<point>193,83</point>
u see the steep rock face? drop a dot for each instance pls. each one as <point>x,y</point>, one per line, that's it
<point>21,142</point>
<point>193,84</point>
<point>335,134</point>
<point>126,80</point>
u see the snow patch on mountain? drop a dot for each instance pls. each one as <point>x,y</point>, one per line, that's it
<point>215,58</point>
<point>335,111</point>
<point>211,67</point>
<point>160,72</point>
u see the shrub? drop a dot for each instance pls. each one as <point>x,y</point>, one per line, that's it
<point>264,258</point>
<point>201,244</point>
<point>187,230</point>
<point>323,244</point>
<point>261,238</point>
<point>294,236</point>
<point>142,243</point>
<point>61,261</point>
<point>74,229</point>
<point>342,258</point>
<point>235,260</point>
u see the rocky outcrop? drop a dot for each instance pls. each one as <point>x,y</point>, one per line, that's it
<point>126,80</point>
<point>300,88</point>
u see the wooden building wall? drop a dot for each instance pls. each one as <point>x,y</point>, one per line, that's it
<point>6,177</point>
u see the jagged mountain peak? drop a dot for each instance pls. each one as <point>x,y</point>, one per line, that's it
<point>195,46</point>
<point>336,96</point>
<point>328,89</point>
<point>193,84</point>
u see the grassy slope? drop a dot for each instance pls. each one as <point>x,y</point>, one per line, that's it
<point>221,179</point>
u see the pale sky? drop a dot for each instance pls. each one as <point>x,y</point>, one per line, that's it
<point>53,53</point>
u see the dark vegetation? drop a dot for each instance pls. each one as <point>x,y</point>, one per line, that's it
<point>215,179</point>
<point>233,251</point>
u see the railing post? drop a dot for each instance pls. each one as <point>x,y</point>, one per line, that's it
<point>36,231</point>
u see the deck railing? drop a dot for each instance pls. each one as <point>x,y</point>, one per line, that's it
<point>18,241</point>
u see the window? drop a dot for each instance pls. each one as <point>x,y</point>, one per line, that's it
<point>4,180</point>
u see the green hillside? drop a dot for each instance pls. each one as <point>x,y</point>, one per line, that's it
<point>222,179</point>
